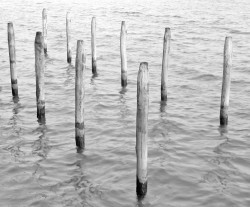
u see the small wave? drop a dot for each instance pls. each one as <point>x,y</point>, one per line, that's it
<point>234,31</point>
<point>128,13</point>
<point>206,77</point>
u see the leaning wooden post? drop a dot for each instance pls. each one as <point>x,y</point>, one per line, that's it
<point>79,94</point>
<point>39,67</point>
<point>93,45</point>
<point>12,56</point>
<point>165,60</point>
<point>142,129</point>
<point>68,27</point>
<point>45,30</point>
<point>123,55</point>
<point>227,65</point>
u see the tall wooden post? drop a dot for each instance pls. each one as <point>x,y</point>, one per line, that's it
<point>93,45</point>
<point>44,17</point>
<point>68,34</point>
<point>142,129</point>
<point>79,94</point>
<point>39,67</point>
<point>227,65</point>
<point>165,60</point>
<point>123,37</point>
<point>12,57</point>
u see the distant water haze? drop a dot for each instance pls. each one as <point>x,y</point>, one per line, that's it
<point>192,161</point>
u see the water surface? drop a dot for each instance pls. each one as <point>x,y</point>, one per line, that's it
<point>192,160</point>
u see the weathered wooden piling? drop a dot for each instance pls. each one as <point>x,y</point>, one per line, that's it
<point>79,94</point>
<point>93,45</point>
<point>39,67</point>
<point>165,61</point>
<point>226,81</point>
<point>44,17</point>
<point>142,129</point>
<point>123,38</point>
<point>68,34</point>
<point>12,57</point>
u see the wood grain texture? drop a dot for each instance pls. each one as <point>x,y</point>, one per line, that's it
<point>80,66</point>
<point>68,36</point>
<point>123,39</point>
<point>226,81</point>
<point>165,62</point>
<point>142,128</point>
<point>93,45</point>
<point>44,19</point>
<point>39,67</point>
<point>12,58</point>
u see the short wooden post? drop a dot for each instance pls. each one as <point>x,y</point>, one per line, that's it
<point>68,34</point>
<point>12,57</point>
<point>227,65</point>
<point>45,30</point>
<point>142,129</point>
<point>123,37</point>
<point>39,67</point>
<point>93,45</point>
<point>165,60</point>
<point>79,94</point>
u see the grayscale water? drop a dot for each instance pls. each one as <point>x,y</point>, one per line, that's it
<point>192,160</point>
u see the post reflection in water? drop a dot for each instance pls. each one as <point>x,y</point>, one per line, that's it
<point>139,202</point>
<point>221,171</point>
<point>41,146</point>
<point>70,75</point>
<point>93,78</point>
<point>40,149</point>
<point>223,130</point>
<point>14,145</point>
<point>86,188</point>
<point>163,107</point>
<point>124,107</point>
<point>14,119</point>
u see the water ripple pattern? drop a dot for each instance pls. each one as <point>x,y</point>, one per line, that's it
<point>192,160</point>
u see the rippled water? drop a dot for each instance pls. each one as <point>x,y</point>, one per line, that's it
<point>192,161</point>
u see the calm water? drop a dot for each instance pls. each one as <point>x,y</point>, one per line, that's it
<point>192,161</point>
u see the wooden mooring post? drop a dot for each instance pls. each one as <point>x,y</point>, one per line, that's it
<point>80,66</point>
<point>93,45</point>
<point>68,35</point>
<point>142,129</point>
<point>226,81</point>
<point>12,57</point>
<point>39,67</point>
<point>123,38</point>
<point>44,17</point>
<point>165,61</point>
